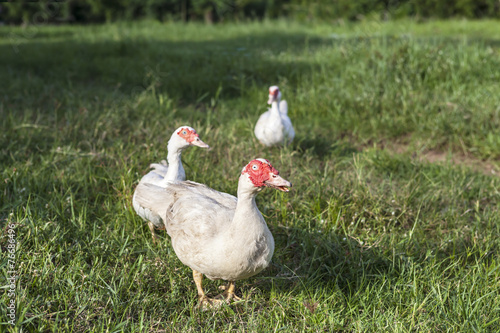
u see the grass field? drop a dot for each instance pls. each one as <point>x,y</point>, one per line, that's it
<point>393,222</point>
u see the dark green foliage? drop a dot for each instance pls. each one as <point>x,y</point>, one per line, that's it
<point>85,11</point>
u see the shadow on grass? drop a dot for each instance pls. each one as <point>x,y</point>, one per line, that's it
<point>323,147</point>
<point>304,262</point>
<point>183,70</point>
<point>60,77</point>
<point>315,261</point>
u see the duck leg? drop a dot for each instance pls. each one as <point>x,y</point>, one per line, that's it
<point>152,228</point>
<point>198,280</point>
<point>203,300</point>
<point>229,292</point>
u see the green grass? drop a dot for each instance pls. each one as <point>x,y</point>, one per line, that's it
<point>370,239</point>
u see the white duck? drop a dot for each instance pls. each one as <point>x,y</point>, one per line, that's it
<point>274,127</point>
<point>215,233</point>
<point>163,174</point>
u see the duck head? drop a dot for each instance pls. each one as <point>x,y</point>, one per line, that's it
<point>274,94</point>
<point>184,137</point>
<point>260,173</point>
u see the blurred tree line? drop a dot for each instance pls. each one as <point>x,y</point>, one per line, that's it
<point>93,11</point>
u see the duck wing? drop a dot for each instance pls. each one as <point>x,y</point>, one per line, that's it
<point>156,175</point>
<point>284,107</point>
<point>194,215</point>
<point>188,207</point>
<point>288,130</point>
<point>159,168</point>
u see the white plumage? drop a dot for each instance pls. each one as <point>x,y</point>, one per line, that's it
<point>215,233</point>
<point>274,127</point>
<point>162,174</point>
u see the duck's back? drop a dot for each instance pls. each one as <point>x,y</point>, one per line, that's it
<point>199,209</point>
<point>194,216</point>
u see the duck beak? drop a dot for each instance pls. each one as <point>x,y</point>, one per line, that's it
<point>278,183</point>
<point>272,98</point>
<point>199,143</point>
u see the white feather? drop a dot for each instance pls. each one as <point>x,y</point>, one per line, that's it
<point>161,175</point>
<point>214,233</point>
<point>274,127</point>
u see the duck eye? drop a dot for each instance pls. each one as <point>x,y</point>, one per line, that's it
<point>184,132</point>
<point>255,167</point>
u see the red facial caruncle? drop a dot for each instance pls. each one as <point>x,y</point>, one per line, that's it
<point>273,91</point>
<point>188,134</point>
<point>259,171</point>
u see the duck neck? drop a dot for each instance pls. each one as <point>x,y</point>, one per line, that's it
<point>175,170</point>
<point>275,109</point>
<point>249,229</point>
<point>246,200</point>
<point>246,209</point>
